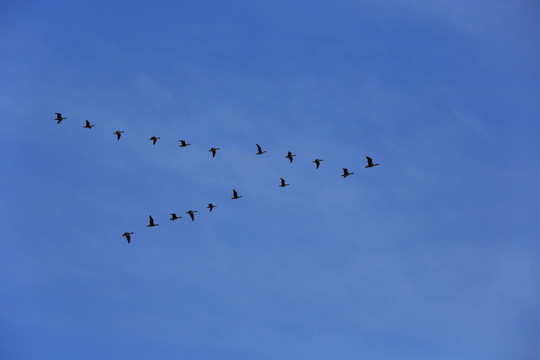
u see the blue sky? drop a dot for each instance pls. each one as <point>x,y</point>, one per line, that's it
<point>431,255</point>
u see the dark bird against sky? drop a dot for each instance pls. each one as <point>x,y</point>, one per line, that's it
<point>213,151</point>
<point>191,214</point>
<point>151,222</point>
<point>317,163</point>
<point>346,173</point>
<point>290,156</point>
<point>118,133</point>
<point>370,162</point>
<point>127,235</point>
<point>235,195</point>
<point>59,118</point>
<point>88,125</point>
<point>259,150</point>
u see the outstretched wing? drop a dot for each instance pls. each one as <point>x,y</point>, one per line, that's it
<point>369,161</point>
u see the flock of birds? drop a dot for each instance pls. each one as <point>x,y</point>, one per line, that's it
<point>59,118</point>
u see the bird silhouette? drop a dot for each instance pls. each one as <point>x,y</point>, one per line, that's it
<point>283,183</point>
<point>317,163</point>
<point>290,156</point>
<point>118,133</point>
<point>346,173</point>
<point>154,139</point>
<point>370,162</point>
<point>183,143</point>
<point>260,150</point>
<point>59,118</point>
<point>88,125</point>
<point>192,214</point>
<point>128,236</point>
<point>213,151</point>
<point>211,206</point>
<point>152,222</point>
<point>174,217</point>
<point>235,195</point>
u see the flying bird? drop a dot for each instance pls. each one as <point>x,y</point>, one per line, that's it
<point>213,151</point>
<point>211,206</point>
<point>370,162</point>
<point>235,195</point>
<point>283,183</point>
<point>290,156</point>
<point>59,118</point>
<point>183,143</point>
<point>152,222</point>
<point>88,125</point>
<point>192,214</point>
<point>317,162</point>
<point>128,236</point>
<point>346,173</point>
<point>260,150</point>
<point>118,134</point>
<point>154,139</point>
<point>174,217</point>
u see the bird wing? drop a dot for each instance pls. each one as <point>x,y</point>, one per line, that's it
<point>259,147</point>
<point>151,220</point>
<point>87,123</point>
<point>192,216</point>
<point>369,160</point>
<point>235,194</point>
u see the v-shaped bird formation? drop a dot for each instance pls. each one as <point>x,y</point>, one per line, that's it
<point>290,156</point>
